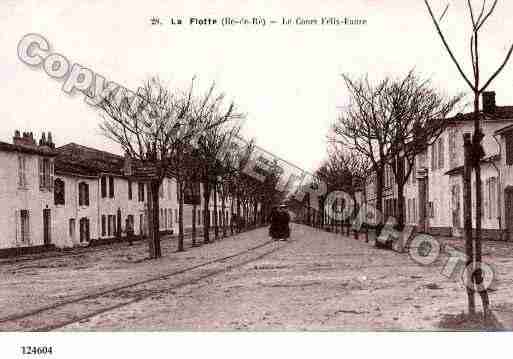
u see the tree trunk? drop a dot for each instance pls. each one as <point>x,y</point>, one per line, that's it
<point>232,203</point>
<point>180,215</point>
<point>238,212</point>
<point>379,201</point>
<point>400,204</point>
<point>206,213</point>
<point>154,220</point>
<point>216,214</point>
<point>223,209</point>
<point>193,234</point>
<point>353,215</point>
<point>255,213</point>
<point>478,275</point>
<point>467,217</point>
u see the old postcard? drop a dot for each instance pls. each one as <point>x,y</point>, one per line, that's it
<point>175,168</point>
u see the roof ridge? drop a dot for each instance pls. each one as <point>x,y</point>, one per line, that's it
<point>90,148</point>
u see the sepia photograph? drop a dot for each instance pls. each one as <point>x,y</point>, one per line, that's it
<point>338,173</point>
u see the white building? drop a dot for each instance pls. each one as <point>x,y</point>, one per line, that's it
<point>73,195</point>
<point>26,193</point>
<point>434,190</point>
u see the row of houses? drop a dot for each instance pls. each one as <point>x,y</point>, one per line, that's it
<point>434,190</point>
<point>73,195</point>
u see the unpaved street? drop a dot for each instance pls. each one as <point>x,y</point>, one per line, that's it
<point>317,281</point>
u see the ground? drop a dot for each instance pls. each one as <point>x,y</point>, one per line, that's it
<point>316,281</point>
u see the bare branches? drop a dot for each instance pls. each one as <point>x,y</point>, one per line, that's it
<point>496,73</point>
<point>447,47</point>
<point>477,24</point>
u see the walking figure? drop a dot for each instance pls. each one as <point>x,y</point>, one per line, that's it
<point>280,219</point>
<point>129,231</point>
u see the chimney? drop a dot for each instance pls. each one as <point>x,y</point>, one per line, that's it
<point>489,102</point>
<point>24,139</point>
<point>42,140</point>
<point>50,140</point>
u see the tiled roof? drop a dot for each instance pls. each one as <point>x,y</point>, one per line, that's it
<point>500,113</point>
<point>82,160</point>
<point>86,161</point>
<point>8,147</point>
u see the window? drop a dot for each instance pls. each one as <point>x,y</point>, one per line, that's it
<point>84,230</point>
<point>169,190</point>
<point>111,225</point>
<point>111,187</point>
<point>129,190</point>
<point>58,192</point>
<point>414,206</point>
<point>431,210</point>
<point>23,228</point>
<point>72,228</point>
<point>491,186</point>
<point>452,148</point>
<point>176,216</point>
<point>104,225</point>
<point>83,194</point>
<point>166,225</point>
<point>509,149</point>
<point>22,177</point>
<point>199,217</point>
<point>161,190</point>
<point>170,217</point>
<point>104,186</point>
<point>45,174</point>
<point>413,172</point>
<point>441,152</point>
<point>140,191</point>
<point>434,160</point>
<point>408,211</point>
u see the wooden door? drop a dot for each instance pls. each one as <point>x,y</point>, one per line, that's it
<point>47,230</point>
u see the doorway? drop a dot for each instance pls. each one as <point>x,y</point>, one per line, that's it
<point>47,228</point>
<point>508,204</point>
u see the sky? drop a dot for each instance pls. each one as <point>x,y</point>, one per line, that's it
<point>285,78</point>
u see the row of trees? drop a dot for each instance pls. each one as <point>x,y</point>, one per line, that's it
<point>195,140</point>
<point>392,121</point>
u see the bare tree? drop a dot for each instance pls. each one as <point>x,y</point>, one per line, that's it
<point>211,146</point>
<point>148,126</point>
<point>418,115</point>
<point>340,172</point>
<point>475,149</point>
<point>154,127</point>
<point>365,126</point>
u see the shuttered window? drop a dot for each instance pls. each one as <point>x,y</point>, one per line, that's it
<point>509,149</point>
<point>45,174</point>
<point>433,156</point>
<point>441,153</point>
<point>22,226</point>
<point>22,177</point>
<point>104,186</point>
<point>104,225</point>
<point>111,187</point>
<point>83,194</point>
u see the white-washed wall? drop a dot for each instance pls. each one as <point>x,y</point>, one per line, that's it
<point>13,199</point>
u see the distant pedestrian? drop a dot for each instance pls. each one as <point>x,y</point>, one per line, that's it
<point>129,231</point>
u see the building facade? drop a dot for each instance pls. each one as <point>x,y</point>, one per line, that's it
<point>434,190</point>
<point>74,195</point>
